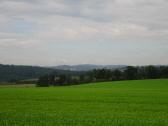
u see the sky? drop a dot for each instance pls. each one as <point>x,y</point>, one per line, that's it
<point>57,32</point>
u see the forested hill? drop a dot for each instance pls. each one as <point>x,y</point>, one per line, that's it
<point>12,73</point>
<point>17,72</point>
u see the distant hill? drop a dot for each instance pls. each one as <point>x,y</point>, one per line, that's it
<point>12,73</point>
<point>87,67</point>
<point>17,72</point>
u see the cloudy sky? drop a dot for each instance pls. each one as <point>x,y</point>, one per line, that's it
<point>54,32</point>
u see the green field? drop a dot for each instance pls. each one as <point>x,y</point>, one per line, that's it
<point>124,103</point>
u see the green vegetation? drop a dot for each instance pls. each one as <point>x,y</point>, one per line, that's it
<point>104,75</point>
<point>124,103</point>
<point>14,73</point>
<point>19,73</point>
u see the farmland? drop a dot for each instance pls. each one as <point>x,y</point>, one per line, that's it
<point>120,103</point>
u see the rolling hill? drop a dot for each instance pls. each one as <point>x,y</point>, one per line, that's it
<point>87,67</point>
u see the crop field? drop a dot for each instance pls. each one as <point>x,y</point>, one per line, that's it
<point>122,103</point>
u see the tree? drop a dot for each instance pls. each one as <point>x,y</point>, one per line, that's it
<point>62,79</point>
<point>141,73</point>
<point>51,79</point>
<point>152,72</point>
<point>131,73</point>
<point>43,81</point>
<point>117,75</point>
<point>163,72</point>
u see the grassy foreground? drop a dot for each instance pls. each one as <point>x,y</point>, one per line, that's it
<point>125,103</point>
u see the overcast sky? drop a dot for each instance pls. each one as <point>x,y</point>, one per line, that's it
<point>54,32</point>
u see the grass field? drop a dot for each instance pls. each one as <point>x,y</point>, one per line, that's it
<point>124,103</point>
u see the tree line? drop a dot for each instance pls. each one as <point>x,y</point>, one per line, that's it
<point>101,75</point>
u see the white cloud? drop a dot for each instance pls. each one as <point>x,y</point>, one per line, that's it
<point>40,23</point>
<point>62,19</point>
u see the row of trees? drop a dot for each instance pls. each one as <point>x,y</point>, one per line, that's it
<point>99,75</point>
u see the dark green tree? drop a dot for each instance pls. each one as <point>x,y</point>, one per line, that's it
<point>43,81</point>
<point>152,72</point>
<point>51,79</point>
<point>116,75</point>
<point>131,73</point>
<point>62,79</point>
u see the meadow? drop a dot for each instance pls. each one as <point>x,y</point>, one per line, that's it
<point>120,103</point>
